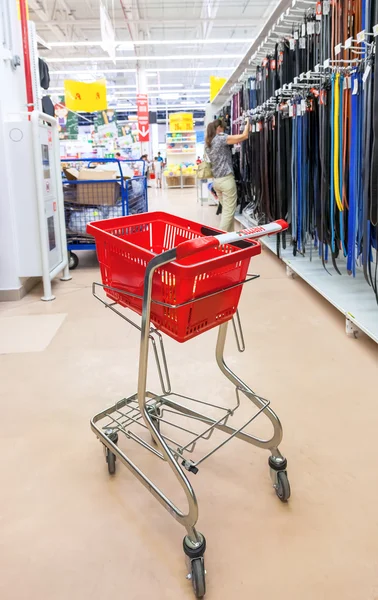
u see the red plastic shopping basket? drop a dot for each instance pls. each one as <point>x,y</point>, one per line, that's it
<point>125,246</point>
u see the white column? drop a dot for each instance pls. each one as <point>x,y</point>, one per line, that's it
<point>142,88</point>
<point>12,109</point>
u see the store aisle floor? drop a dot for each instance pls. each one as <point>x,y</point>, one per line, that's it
<point>68,531</point>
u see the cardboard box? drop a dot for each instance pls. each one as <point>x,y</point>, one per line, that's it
<point>94,194</point>
<point>102,193</point>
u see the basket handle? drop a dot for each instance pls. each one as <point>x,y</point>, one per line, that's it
<point>198,244</point>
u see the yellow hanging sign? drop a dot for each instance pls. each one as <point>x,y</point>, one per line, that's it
<point>216,84</point>
<point>85,97</point>
<point>181,122</point>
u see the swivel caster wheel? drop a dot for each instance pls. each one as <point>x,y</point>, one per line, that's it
<point>279,478</point>
<point>109,455</point>
<point>73,260</point>
<point>196,564</point>
<point>283,486</point>
<point>198,577</point>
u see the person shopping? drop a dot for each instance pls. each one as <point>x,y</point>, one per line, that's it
<point>219,154</point>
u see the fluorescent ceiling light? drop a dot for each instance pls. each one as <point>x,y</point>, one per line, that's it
<point>111,86</point>
<point>142,58</point>
<point>133,86</point>
<point>205,85</point>
<point>161,107</point>
<point>130,44</point>
<point>170,70</point>
<point>180,91</point>
<point>151,85</point>
<point>170,96</point>
<point>154,74</point>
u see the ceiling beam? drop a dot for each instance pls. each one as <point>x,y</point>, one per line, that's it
<point>90,23</point>
<point>55,27</point>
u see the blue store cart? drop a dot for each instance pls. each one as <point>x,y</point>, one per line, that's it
<point>88,200</point>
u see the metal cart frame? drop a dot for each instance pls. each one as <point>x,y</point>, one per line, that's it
<point>150,411</point>
<point>77,242</point>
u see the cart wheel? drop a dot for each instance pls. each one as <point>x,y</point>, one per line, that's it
<point>283,486</point>
<point>111,460</point>
<point>198,577</point>
<point>109,455</point>
<point>73,260</point>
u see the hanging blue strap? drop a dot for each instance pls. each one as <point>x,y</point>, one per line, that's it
<point>341,174</point>
<point>305,191</point>
<point>294,179</point>
<point>332,191</point>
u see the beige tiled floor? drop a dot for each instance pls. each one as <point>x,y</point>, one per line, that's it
<point>69,532</point>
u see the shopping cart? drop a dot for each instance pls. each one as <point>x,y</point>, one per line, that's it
<point>183,279</point>
<point>97,199</point>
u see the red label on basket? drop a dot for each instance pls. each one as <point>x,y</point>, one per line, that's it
<point>143,122</point>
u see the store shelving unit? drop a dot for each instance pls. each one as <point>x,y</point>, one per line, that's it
<point>184,144</point>
<point>350,295</point>
<point>181,147</point>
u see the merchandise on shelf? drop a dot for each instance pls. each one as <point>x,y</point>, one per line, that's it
<point>182,142</point>
<point>180,174</point>
<point>310,156</point>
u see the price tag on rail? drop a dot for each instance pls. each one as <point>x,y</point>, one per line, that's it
<point>292,44</point>
<point>337,49</point>
<point>318,11</point>
<point>361,36</point>
<point>375,30</point>
<point>326,7</point>
<point>310,28</point>
<point>348,43</point>
<point>303,29</point>
<point>366,74</point>
<point>296,34</point>
<point>302,43</point>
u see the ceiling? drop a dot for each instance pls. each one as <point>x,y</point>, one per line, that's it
<point>179,43</point>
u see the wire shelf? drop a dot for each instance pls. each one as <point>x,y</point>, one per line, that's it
<point>172,413</point>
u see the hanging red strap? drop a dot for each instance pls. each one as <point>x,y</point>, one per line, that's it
<point>25,46</point>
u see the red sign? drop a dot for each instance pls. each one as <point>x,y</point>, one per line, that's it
<point>143,124</point>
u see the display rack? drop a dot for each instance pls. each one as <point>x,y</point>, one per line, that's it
<point>350,295</point>
<point>180,180</point>
<point>181,148</point>
<point>181,144</point>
